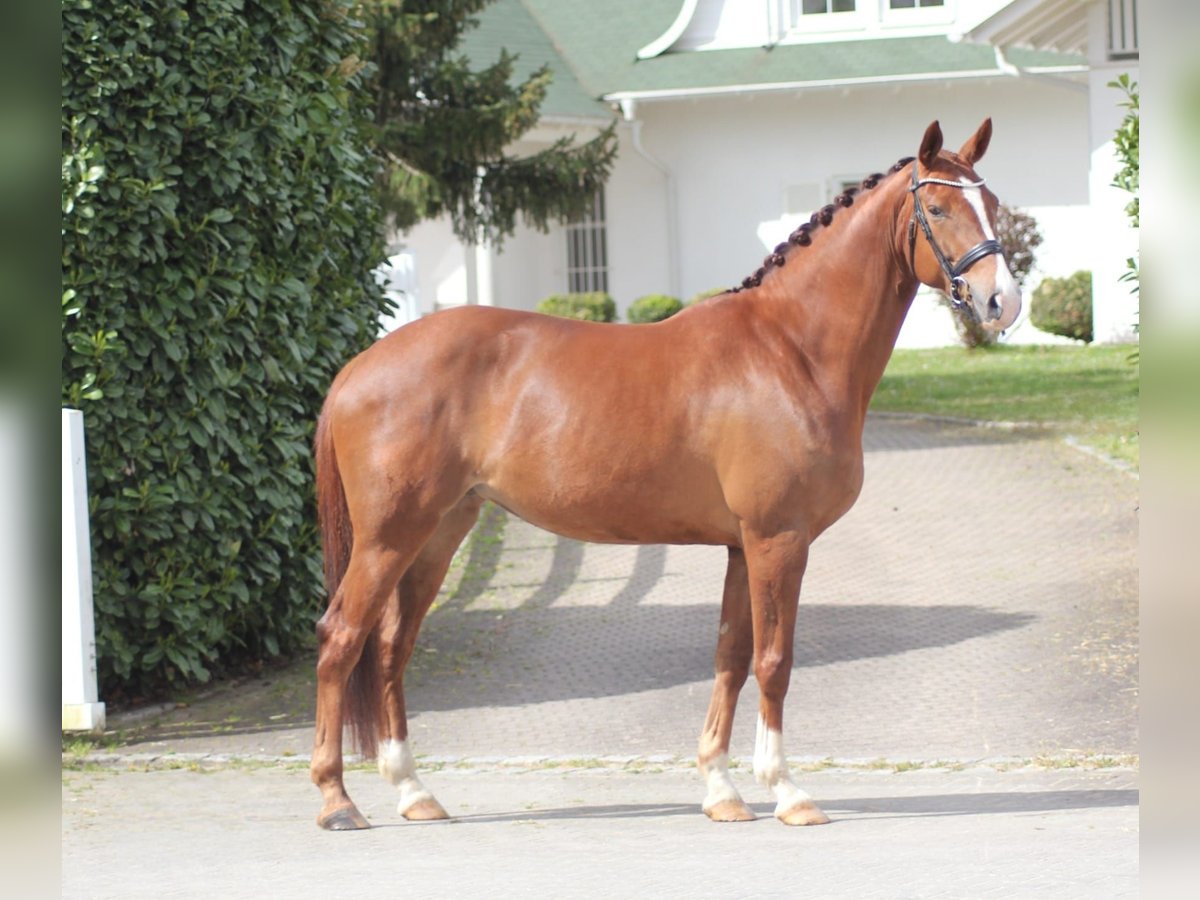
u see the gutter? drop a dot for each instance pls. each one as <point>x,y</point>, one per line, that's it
<point>621,97</point>
<point>1009,68</point>
<point>629,114</point>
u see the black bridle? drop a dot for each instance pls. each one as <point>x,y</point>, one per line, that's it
<point>953,272</point>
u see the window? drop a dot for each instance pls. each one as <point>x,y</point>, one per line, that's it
<point>817,7</point>
<point>587,250</point>
<point>1122,29</point>
<point>807,17</point>
<point>914,14</point>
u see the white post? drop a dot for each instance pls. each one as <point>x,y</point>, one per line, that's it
<point>81,710</point>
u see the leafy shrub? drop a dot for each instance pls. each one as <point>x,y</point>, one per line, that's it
<point>704,295</point>
<point>653,308</point>
<point>218,236</point>
<point>594,306</point>
<point>1064,306</point>
<point>1127,144</point>
<point>1019,235</point>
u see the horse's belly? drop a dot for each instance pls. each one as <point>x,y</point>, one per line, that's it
<point>622,516</point>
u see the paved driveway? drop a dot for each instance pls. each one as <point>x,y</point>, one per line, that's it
<point>977,607</point>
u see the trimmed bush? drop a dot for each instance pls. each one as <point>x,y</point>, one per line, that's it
<point>218,235</point>
<point>653,308</point>
<point>1020,237</point>
<point>1064,306</point>
<point>704,295</point>
<point>595,306</point>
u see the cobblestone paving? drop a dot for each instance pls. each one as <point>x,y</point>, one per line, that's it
<point>980,600</point>
<point>978,603</point>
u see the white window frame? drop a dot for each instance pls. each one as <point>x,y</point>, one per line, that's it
<point>1122,30</point>
<point>921,15</point>
<point>793,22</point>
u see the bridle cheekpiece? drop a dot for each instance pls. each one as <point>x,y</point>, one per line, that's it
<point>953,272</point>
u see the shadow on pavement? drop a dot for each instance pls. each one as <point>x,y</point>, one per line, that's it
<point>522,656</point>
<point>980,803</point>
<point>476,659</point>
<point>921,806</point>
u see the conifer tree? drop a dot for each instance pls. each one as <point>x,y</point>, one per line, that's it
<point>442,128</point>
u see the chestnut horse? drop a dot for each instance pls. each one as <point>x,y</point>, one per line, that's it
<point>737,422</point>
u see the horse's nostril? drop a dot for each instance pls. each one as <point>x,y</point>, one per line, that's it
<point>993,307</point>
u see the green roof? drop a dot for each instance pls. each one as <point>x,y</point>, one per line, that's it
<point>592,48</point>
<point>508,25</point>
<point>806,63</point>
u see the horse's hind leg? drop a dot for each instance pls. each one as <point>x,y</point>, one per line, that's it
<point>379,557</point>
<point>398,634</point>
<point>735,644</point>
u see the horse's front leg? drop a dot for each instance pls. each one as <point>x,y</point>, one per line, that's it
<point>775,565</point>
<point>735,644</point>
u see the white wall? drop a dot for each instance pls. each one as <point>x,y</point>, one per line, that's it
<point>441,265</point>
<point>735,157</point>
<point>639,254</point>
<point>531,265</point>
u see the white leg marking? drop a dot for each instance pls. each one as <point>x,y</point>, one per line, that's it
<point>771,769</point>
<point>720,785</point>
<point>397,765</point>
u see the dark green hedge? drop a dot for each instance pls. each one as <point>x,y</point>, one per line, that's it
<point>219,232</point>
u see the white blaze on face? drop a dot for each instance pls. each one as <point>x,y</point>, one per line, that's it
<point>1006,285</point>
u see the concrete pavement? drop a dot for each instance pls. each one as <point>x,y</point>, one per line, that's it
<point>972,622</point>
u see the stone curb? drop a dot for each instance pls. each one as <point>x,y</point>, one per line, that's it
<point>611,764</point>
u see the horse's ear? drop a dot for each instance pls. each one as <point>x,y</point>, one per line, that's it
<point>931,145</point>
<point>972,151</point>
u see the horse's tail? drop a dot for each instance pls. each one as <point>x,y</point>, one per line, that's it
<point>362,708</point>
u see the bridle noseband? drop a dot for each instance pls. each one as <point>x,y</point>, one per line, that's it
<point>953,272</point>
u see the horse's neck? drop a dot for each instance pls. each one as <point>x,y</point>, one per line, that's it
<point>844,298</point>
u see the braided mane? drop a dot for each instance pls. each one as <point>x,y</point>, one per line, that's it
<point>802,236</point>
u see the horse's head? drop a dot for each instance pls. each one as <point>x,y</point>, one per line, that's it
<point>952,234</point>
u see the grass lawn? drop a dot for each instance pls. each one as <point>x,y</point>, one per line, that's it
<point>1090,393</point>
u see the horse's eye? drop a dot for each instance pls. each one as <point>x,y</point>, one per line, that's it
<point>936,211</point>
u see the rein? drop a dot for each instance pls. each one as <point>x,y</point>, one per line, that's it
<point>953,272</point>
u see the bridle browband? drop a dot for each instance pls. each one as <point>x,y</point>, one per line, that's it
<point>953,272</point>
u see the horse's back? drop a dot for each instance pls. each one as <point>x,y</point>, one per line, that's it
<point>587,429</point>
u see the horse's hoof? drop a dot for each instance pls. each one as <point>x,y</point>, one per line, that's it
<point>426,810</point>
<point>806,813</point>
<point>344,818</point>
<point>730,811</point>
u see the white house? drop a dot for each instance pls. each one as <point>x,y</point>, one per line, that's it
<point>737,118</point>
